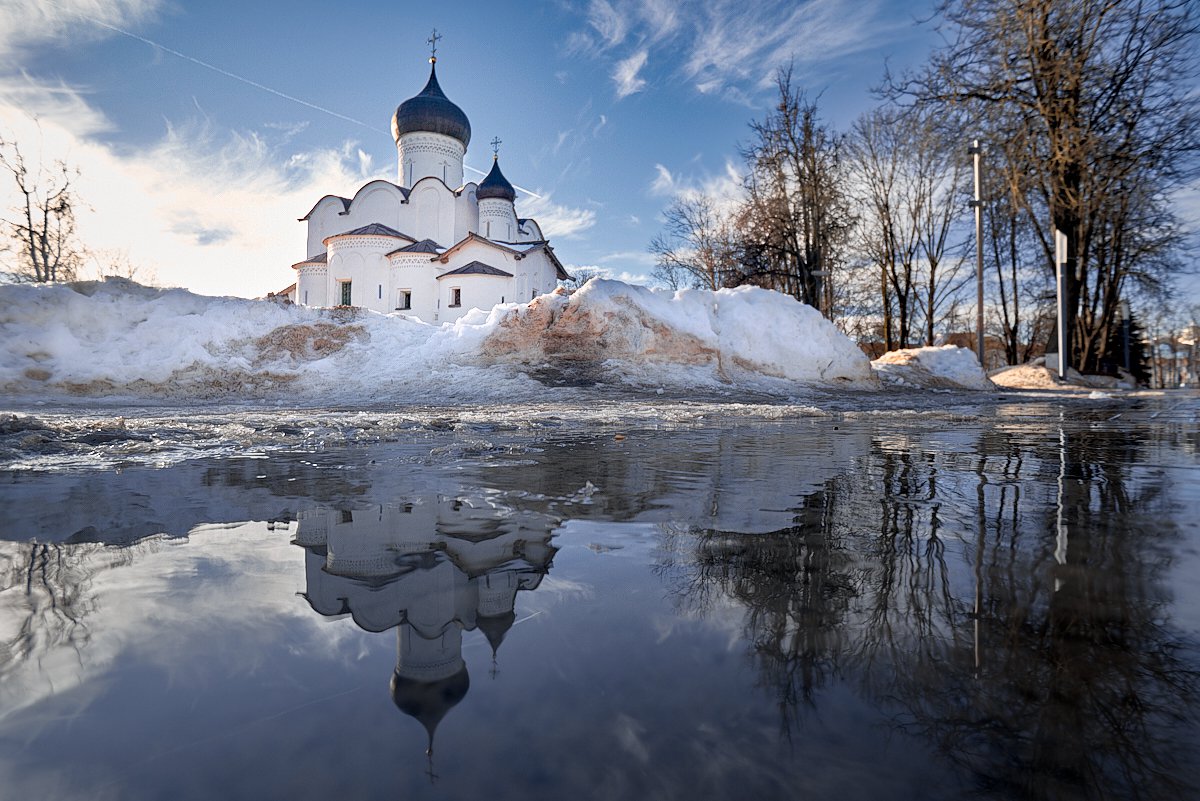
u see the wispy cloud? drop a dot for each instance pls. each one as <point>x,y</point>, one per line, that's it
<point>555,219</point>
<point>725,47</point>
<point>625,74</point>
<point>30,23</point>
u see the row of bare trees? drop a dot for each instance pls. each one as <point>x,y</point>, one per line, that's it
<point>1090,127</point>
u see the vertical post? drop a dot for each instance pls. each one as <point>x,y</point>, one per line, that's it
<point>975,150</point>
<point>1126,325</point>
<point>1060,270</point>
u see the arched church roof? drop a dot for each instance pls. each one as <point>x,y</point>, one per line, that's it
<point>495,185</point>
<point>431,111</point>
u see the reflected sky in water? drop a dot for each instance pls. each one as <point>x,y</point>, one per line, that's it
<point>858,605</point>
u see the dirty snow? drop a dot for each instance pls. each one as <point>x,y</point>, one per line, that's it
<point>946,367</point>
<point>117,339</point>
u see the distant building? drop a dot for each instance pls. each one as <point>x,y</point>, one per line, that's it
<point>429,245</point>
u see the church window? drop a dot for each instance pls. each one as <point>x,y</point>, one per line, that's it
<point>306,297</point>
<point>347,516</point>
<point>381,291</point>
<point>455,297</point>
<point>532,294</point>
<point>488,232</point>
<point>404,303</point>
<point>345,293</point>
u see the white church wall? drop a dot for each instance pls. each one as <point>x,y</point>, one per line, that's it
<point>361,261</point>
<point>475,292</point>
<point>418,276</point>
<point>380,203</point>
<point>433,207</point>
<point>323,222</point>
<point>530,232</point>
<point>425,155</point>
<point>311,286</point>
<point>497,220</point>
<point>466,215</point>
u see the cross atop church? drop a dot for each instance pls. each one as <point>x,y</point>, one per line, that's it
<point>495,143</point>
<point>433,40</point>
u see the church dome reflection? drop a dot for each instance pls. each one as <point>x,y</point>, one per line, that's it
<point>432,567</point>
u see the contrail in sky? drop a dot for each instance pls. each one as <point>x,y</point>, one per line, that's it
<point>250,82</point>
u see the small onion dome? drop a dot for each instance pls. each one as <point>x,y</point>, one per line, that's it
<point>431,111</point>
<point>495,185</point>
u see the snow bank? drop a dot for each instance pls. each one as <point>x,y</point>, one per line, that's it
<point>947,367</point>
<point>649,336</point>
<point>118,339</point>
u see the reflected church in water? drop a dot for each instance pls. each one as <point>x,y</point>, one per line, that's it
<point>432,567</point>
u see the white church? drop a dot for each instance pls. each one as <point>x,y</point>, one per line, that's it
<point>428,246</point>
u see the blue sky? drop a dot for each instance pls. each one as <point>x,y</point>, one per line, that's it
<point>605,107</point>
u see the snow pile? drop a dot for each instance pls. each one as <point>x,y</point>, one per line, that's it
<point>947,367</point>
<point>117,338</point>
<point>1026,376</point>
<point>1036,375</point>
<point>649,336</point>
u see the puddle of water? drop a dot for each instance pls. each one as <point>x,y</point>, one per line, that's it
<point>997,603</point>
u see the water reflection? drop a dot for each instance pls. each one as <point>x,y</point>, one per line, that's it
<point>997,599</point>
<point>1006,603</point>
<point>431,567</point>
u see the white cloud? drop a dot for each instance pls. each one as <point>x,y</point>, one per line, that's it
<point>609,24</point>
<point>215,213</point>
<point>625,74</point>
<point>555,219</point>
<point>725,188</point>
<point>28,23</point>
<point>663,184</point>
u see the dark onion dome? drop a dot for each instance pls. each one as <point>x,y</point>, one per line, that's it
<point>429,701</point>
<point>431,111</point>
<point>495,185</point>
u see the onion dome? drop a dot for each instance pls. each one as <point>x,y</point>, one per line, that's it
<point>495,185</point>
<point>429,701</point>
<point>431,111</point>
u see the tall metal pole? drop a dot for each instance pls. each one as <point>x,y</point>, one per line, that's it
<point>975,150</point>
<point>1060,261</point>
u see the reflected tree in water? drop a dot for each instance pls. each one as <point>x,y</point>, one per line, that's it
<point>1007,607</point>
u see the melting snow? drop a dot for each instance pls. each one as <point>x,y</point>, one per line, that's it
<point>118,339</point>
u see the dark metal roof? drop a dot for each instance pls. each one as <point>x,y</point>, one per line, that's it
<point>376,229</point>
<point>320,258</point>
<point>495,185</point>
<point>424,246</point>
<point>431,111</point>
<point>477,268</point>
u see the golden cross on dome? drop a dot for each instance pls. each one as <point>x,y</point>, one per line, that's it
<point>433,40</point>
<point>495,143</point>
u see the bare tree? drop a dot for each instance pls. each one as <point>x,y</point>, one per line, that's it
<point>797,217</point>
<point>699,244</point>
<point>1089,106</point>
<point>41,227</point>
<point>887,234</point>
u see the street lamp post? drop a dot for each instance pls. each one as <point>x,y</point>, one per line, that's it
<point>975,150</point>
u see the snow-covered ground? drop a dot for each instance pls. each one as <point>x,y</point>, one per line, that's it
<point>117,339</point>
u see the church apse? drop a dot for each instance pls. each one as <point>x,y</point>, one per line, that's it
<point>432,567</point>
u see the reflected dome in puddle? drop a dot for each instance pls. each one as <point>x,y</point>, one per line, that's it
<point>432,567</point>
